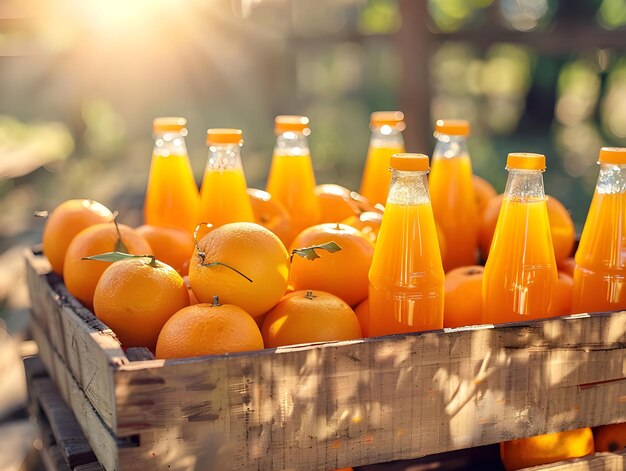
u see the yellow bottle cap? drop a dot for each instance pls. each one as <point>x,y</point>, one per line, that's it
<point>613,155</point>
<point>224,136</point>
<point>394,119</point>
<point>168,124</point>
<point>410,162</point>
<point>453,127</point>
<point>526,161</point>
<point>286,123</point>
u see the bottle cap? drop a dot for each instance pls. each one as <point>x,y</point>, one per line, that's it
<point>526,161</point>
<point>286,123</point>
<point>394,119</point>
<point>453,127</point>
<point>410,162</point>
<point>613,155</point>
<point>168,124</point>
<point>224,136</point>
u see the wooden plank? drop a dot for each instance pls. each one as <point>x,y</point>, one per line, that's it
<point>103,443</point>
<point>52,459</point>
<point>378,400</point>
<point>68,435</point>
<point>88,347</point>
<point>139,354</point>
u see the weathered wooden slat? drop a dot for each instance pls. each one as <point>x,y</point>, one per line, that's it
<point>139,354</point>
<point>68,435</point>
<point>87,346</point>
<point>102,441</point>
<point>376,400</point>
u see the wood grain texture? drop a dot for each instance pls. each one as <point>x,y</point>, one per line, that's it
<point>87,346</point>
<point>68,436</point>
<point>378,400</point>
<point>101,439</point>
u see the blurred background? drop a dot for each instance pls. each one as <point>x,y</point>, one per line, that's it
<point>81,81</point>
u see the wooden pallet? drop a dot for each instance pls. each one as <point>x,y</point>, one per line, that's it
<point>325,406</point>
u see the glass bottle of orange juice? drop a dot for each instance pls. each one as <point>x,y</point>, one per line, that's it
<point>386,140</point>
<point>520,278</point>
<point>172,194</point>
<point>406,277</point>
<point>223,196</point>
<point>452,193</point>
<point>600,273</point>
<point>291,180</point>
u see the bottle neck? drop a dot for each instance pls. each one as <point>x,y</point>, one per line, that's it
<point>524,185</point>
<point>170,143</point>
<point>224,157</point>
<point>449,147</point>
<point>292,143</point>
<point>408,188</point>
<point>612,179</point>
<point>386,137</point>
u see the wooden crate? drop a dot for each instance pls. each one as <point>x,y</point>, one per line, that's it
<point>330,405</point>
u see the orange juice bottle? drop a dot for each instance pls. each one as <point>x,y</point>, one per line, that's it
<point>386,140</point>
<point>520,278</point>
<point>223,196</point>
<point>291,180</point>
<point>172,194</point>
<point>406,277</point>
<point>600,273</point>
<point>452,193</point>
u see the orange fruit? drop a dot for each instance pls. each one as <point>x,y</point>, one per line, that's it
<point>483,192</point>
<point>489,219</point>
<point>136,296</point>
<point>309,316</point>
<point>336,203</point>
<point>208,329</point>
<point>548,448</point>
<point>610,437</point>
<point>362,312</point>
<point>463,302</point>
<point>343,273</point>
<point>81,276</point>
<point>564,294</point>
<point>562,229</point>
<point>171,246</point>
<point>65,222</point>
<point>271,214</point>
<point>567,266</point>
<point>367,222</point>
<point>253,251</point>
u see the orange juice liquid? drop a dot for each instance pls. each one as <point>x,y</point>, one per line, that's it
<point>520,276</point>
<point>600,273</point>
<point>292,182</point>
<point>223,197</point>
<point>454,207</point>
<point>172,194</point>
<point>406,278</point>
<point>376,176</point>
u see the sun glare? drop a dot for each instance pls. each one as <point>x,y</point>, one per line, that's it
<point>114,16</point>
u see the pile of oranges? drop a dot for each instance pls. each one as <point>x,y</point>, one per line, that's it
<point>246,268</point>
